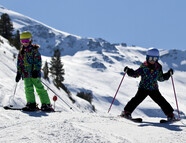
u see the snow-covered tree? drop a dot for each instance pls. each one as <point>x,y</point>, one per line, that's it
<point>46,70</point>
<point>56,68</point>
<point>6,26</point>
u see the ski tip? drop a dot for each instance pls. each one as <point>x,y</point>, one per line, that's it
<point>11,108</point>
<point>6,107</point>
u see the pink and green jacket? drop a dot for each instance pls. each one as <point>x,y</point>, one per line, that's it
<point>29,59</point>
<point>149,76</point>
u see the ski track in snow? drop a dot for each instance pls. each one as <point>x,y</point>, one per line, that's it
<point>75,127</point>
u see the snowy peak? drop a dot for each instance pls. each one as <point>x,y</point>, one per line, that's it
<point>50,39</point>
<point>18,20</point>
<point>175,59</point>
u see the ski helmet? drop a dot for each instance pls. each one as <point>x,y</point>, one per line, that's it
<point>25,35</point>
<point>153,52</point>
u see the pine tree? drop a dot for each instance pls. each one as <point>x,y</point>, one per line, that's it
<point>16,40</point>
<point>56,68</point>
<point>6,26</point>
<point>46,71</point>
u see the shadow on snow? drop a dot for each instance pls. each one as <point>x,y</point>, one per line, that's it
<point>169,126</point>
<point>36,113</point>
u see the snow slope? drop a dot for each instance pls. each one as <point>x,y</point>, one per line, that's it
<point>76,126</point>
<point>97,68</point>
<point>69,127</point>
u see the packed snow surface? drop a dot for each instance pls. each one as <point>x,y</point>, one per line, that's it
<point>76,127</point>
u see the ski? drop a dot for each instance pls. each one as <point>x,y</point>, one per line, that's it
<point>11,108</point>
<point>138,120</point>
<point>21,109</point>
<point>167,121</point>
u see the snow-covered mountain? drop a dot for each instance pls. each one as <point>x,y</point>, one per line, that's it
<point>96,66</point>
<point>50,39</point>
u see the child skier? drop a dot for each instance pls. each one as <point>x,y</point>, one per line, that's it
<point>150,72</point>
<point>29,68</point>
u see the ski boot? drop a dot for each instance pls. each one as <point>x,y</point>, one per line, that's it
<point>126,114</point>
<point>30,107</point>
<point>171,117</point>
<point>47,108</point>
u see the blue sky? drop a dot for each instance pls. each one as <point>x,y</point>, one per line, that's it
<point>145,23</point>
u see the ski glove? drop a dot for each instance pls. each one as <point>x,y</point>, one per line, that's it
<point>126,69</point>
<point>18,77</point>
<point>129,71</point>
<point>35,74</point>
<point>167,75</point>
<point>170,71</point>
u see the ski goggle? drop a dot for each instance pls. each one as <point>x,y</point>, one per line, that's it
<point>25,40</point>
<point>150,58</point>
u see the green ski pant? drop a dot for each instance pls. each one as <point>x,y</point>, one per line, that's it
<point>30,83</point>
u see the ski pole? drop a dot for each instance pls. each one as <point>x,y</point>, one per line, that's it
<point>175,94</point>
<point>55,93</point>
<point>117,91</point>
<point>13,94</point>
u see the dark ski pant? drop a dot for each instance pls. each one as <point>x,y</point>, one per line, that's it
<point>155,96</point>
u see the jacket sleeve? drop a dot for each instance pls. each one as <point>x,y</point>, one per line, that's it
<point>166,76</point>
<point>134,73</point>
<point>163,76</point>
<point>37,60</point>
<point>19,71</point>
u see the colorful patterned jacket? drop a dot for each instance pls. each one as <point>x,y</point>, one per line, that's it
<point>149,75</point>
<point>29,59</point>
